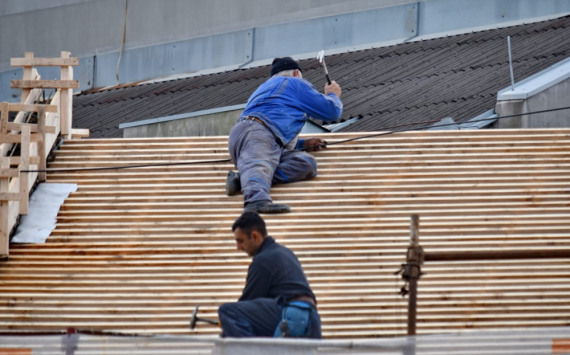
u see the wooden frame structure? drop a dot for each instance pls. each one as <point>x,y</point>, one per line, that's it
<point>35,140</point>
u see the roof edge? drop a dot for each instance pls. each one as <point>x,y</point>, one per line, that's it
<point>537,82</point>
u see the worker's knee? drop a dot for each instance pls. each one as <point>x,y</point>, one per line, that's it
<point>226,310</point>
<point>309,165</point>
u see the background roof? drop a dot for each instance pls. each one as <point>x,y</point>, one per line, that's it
<point>457,76</point>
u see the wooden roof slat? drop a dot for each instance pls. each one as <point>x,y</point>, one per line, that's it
<point>142,246</point>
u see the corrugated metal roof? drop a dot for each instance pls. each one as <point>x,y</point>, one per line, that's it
<point>457,76</point>
<point>136,250</point>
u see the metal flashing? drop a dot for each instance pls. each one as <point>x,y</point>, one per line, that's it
<point>471,124</point>
<point>338,126</point>
<point>537,82</point>
<point>181,116</point>
<point>476,122</point>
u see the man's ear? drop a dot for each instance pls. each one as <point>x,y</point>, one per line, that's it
<point>257,237</point>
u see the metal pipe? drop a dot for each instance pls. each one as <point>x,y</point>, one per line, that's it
<point>413,264</point>
<point>497,255</point>
<point>511,64</point>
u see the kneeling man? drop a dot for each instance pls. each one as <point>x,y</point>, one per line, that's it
<point>277,300</point>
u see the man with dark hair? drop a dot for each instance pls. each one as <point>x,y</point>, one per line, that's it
<point>264,141</point>
<point>277,300</point>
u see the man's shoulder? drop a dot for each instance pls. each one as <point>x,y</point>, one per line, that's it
<point>275,252</point>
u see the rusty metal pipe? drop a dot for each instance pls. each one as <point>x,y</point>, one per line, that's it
<point>497,255</point>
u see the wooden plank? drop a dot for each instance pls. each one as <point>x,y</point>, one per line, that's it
<point>80,133</point>
<point>15,138</point>
<point>28,75</point>
<point>9,196</point>
<point>43,62</point>
<point>4,112</point>
<point>34,160</point>
<point>44,84</point>
<point>33,127</point>
<point>4,210</point>
<point>9,173</point>
<point>24,165</point>
<point>16,351</point>
<point>65,101</point>
<point>31,108</point>
<point>42,154</point>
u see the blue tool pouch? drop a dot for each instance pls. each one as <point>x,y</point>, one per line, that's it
<point>294,321</point>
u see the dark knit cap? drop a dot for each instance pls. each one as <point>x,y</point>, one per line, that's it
<point>285,63</point>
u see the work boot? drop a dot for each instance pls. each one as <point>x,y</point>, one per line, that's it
<point>266,206</point>
<point>233,183</point>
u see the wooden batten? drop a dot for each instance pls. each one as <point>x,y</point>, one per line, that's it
<point>12,138</point>
<point>79,133</point>
<point>24,165</point>
<point>4,210</point>
<point>29,74</point>
<point>44,62</point>
<point>33,127</point>
<point>44,84</point>
<point>4,113</point>
<point>42,149</point>
<point>31,108</point>
<point>135,250</point>
<point>65,99</point>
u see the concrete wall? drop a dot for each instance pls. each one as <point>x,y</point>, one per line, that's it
<point>166,37</point>
<point>217,124</point>
<point>553,97</point>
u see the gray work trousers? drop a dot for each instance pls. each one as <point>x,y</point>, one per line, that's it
<point>263,162</point>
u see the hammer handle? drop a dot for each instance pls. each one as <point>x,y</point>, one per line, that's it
<point>328,78</point>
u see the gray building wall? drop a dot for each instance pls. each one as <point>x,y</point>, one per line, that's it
<point>553,97</point>
<point>165,37</point>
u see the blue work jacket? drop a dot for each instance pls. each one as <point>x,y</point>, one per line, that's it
<point>285,103</point>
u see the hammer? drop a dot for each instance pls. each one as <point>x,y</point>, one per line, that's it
<point>321,59</point>
<point>195,319</point>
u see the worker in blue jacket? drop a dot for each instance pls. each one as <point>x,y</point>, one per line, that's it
<point>277,300</point>
<point>262,144</point>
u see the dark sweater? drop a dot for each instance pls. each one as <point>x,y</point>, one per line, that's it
<point>275,271</point>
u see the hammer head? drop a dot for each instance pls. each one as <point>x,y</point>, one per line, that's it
<point>321,56</point>
<point>194,318</point>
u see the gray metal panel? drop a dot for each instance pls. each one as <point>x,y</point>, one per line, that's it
<point>311,127</point>
<point>398,22</point>
<point>182,116</point>
<point>170,58</point>
<point>82,29</point>
<point>90,27</point>
<point>10,7</point>
<point>437,16</point>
